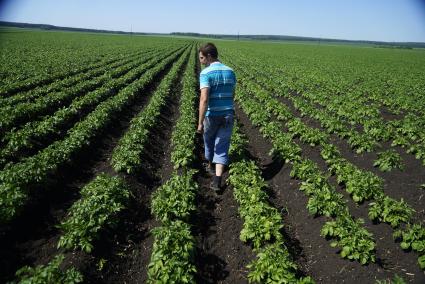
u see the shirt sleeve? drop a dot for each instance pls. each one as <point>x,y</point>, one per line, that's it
<point>203,81</point>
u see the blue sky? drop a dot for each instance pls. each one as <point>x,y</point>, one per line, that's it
<point>384,20</point>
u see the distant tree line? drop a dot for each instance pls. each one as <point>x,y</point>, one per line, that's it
<point>405,45</point>
<point>52,27</point>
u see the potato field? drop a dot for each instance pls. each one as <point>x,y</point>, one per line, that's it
<point>101,175</point>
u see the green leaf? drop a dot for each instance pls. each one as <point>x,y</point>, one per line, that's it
<point>421,261</point>
<point>404,245</point>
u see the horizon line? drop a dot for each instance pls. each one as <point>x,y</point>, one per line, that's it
<point>214,34</point>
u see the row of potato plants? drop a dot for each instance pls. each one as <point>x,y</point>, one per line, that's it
<point>413,237</point>
<point>49,273</point>
<point>172,257</point>
<point>182,156</point>
<point>25,85</point>
<point>31,57</point>
<point>37,60</point>
<point>347,173</point>
<point>97,209</point>
<point>374,77</point>
<point>101,201</point>
<point>97,70</point>
<point>385,209</point>
<point>18,179</point>
<point>408,132</point>
<point>397,214</point>
<point>386,161</point>
<point>354,178</point>
<point>354,241</point>
<point>359,142</point>
<point>14,115</point>
<point>126,156</point>
<point>32,134</point>
<point>360,184</point>
<point>173,203</point>
<point>405,132</point>
<point>262,223</point>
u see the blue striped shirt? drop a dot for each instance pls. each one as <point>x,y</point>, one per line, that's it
<point>221,81</point>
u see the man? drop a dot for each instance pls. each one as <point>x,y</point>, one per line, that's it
<point>217,84</point>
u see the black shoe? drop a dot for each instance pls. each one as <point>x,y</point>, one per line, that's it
<point>216,184</point>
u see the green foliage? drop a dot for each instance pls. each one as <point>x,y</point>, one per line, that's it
<point>261,221</point>
<point>348,90</point>
<point>323,199</point>
<point>48,274</point>
<point>17,179</point>
<point>388,160</point>
<point>172,254</point>
<point>413,237</point>
<point>282,142</point>
<point>30,135</point>
<point>391,211</point>
<point>176,198</point>
<point>356,242</point>
<point>330,153</point>
<point>37,58</point>
<point>100,202</point>
<point>183,134</point>
<point>126,156</point>
<point>362,185</point>
<point>274,265</point>
<point>307,135</point>
<point>362,142</point>
<point>238,144</point>
<point>344,103</point>
<point>173,202</point>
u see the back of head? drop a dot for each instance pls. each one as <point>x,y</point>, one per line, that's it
<point>209,49</point>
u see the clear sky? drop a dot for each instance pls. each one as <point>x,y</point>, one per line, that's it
<point>382,20</point>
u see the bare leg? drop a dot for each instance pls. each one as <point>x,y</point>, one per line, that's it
<point>219,169</point>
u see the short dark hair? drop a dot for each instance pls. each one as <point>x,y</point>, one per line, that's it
<point>209,49</point>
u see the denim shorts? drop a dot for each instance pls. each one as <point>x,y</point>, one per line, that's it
<point>217,134</point>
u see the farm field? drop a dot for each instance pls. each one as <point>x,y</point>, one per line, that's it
<point>101,176</point>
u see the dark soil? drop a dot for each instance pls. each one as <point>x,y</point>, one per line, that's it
<point>42,142</point>
<point>221,256</point>
<point>314,254</point>
<point>397,183</point>
<point>130,251</point>
<point>32,238</point>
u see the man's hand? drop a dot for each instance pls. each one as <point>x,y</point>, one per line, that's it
<point>203,102</point>
<point>200,128</point>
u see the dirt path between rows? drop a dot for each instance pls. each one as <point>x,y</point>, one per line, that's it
<point>221,256</point>
<point>311,251</point>
<point>32,238</point>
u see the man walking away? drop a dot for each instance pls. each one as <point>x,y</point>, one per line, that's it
<point>217,84</point>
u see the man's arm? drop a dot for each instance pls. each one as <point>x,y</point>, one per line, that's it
<point>203,101</point>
